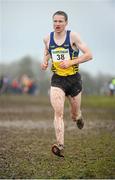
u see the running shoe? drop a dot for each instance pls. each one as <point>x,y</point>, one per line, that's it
<point>80,123</point>
<point>58,150</point>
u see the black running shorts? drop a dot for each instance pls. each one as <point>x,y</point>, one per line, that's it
<point>71,85</point>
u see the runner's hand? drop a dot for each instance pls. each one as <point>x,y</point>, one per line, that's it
<point>44,65</point>
<point>65,64</point>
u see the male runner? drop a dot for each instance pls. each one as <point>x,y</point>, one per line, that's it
<point>62,47</point>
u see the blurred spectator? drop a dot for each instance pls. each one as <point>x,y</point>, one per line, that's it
<point>25,82</point>
<point>113,82</point>
<point>4,84</point>
<point>112,87</point>
<point>15,87</point>
<point>1,84</point>
<point>28,85</point>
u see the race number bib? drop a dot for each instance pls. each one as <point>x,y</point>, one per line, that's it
<point>60,54</point>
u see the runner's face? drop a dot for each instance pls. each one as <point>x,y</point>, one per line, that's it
<point>59,23</point>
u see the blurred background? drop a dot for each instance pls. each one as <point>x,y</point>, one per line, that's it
<point>23,25</point>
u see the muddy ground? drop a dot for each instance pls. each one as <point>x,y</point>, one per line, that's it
<point>27,134</point>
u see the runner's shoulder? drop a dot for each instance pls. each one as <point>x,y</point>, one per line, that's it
<point>74,34</point>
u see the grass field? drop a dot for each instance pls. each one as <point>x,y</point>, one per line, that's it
<point>27,133</point>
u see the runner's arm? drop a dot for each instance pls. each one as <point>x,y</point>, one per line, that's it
<point>46,57</point>
<point>86,56</point>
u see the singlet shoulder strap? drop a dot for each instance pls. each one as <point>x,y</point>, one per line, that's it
<point>52,38</point>
<point>51,43</point>
<point>67,40</point>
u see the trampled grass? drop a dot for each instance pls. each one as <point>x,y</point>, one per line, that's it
<point>27,133</point>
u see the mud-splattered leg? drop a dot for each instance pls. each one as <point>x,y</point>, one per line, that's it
<point>75,106</point>
<point>57,97</point>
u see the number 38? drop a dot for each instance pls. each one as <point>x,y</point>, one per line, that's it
<point>60,57</point>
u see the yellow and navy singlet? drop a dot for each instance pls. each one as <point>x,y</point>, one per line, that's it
<point>60,53</point>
